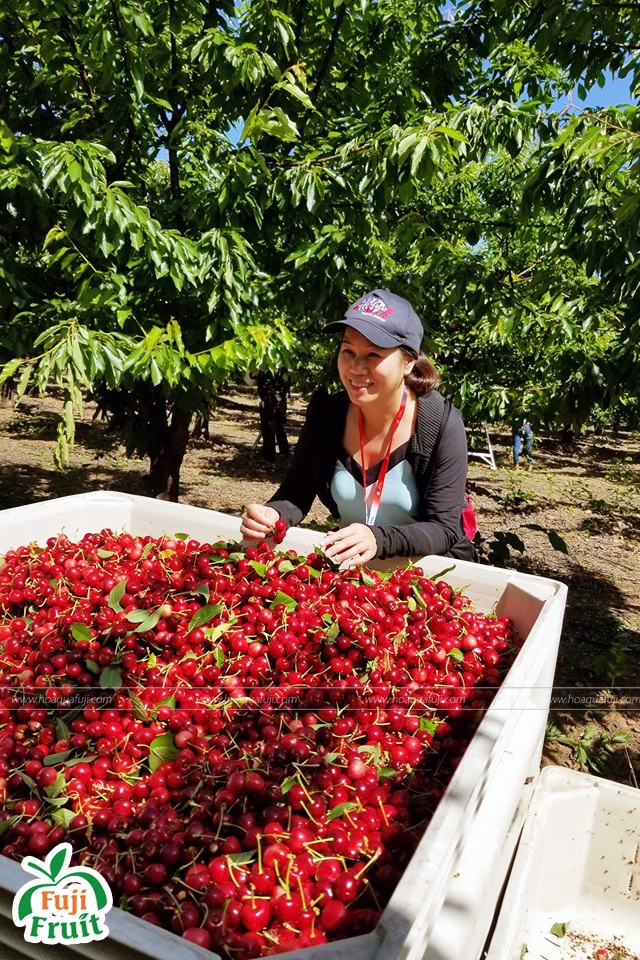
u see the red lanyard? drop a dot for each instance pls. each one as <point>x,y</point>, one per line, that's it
<point>371,509</point>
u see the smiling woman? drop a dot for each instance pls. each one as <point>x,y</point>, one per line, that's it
<point>387,456</point>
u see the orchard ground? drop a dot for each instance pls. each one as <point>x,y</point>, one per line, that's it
<point>589,493</point>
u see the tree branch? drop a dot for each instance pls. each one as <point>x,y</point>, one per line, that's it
<point>127,63</point>
<point>330,51</point>
<point>171,123</point>
<point>302,6</point>
<point>25,68</point>
<point>82,72</point>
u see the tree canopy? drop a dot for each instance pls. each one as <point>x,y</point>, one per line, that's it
<point>189,189</point>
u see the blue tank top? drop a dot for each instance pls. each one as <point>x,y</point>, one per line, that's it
<point>400,497</point>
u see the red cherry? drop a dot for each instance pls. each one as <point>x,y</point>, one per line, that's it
<point>256,915</point>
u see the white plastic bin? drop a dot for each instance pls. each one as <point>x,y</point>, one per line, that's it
<point>577,867</point>
<point>443,906</point>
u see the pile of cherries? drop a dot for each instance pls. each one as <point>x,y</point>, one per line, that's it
<point>246,744</point>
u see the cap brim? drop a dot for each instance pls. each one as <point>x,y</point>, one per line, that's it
<point>368,328</point>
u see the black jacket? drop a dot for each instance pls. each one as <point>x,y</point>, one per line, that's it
<point>440,478</point>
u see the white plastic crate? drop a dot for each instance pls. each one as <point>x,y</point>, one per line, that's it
<point>578,867</point>
<point>443,906</point>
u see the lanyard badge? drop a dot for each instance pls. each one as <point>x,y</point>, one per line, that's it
<point>371,509</point>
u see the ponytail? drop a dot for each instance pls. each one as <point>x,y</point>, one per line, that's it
<point>423,378</point>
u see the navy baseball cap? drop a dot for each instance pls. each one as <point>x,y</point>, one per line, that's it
<point>383,318</point>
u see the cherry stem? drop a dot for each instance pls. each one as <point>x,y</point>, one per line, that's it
<point>368,863</point>
<point>302,896</point>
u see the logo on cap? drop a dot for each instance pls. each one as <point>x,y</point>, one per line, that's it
<point>373,306</point>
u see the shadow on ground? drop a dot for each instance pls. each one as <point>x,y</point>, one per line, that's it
<point>597,645</point>
<point>24,484</point>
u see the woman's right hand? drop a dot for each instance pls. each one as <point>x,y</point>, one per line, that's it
<point>258,521</point>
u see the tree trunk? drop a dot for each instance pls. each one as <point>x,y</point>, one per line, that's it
<point>568,435</point>
<point>164,473</point>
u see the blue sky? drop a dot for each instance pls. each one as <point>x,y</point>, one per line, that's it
<point>615,91</point>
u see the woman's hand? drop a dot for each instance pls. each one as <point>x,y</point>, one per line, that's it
<point>351,545</point>
<point>258,521</point>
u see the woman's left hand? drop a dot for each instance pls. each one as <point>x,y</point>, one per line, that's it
<point>351,545</point>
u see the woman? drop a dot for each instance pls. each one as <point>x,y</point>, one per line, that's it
<point>391,419</point>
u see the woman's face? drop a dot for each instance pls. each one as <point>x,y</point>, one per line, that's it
<point>369,373</point>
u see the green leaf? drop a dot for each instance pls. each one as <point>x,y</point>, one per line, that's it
<point>451,133</point>
<point>63,817</point>
<point>79,631</point>
<point>418,597</point>
<point>30,782</point>
<point>85,758</point>
<point>260,568</point>
<point>558,929</point>
<point>342,808</point>
<point>290,782</point>
<point>385,773</point>
<point>111,677</point>
<point>456,655</point>
<point>53,758</point>
<point>214,633</point>
<point>138,708</point>
<point>116,595</point>
<point>283,598</point>
<point>57,787</point>
<point>137,616</point>
<point>333,632</point>
<point>428,725</point>
<point>203,590</point>
<point>277,124</point>
<point>23,382</point>
<point>161,750</point>
<point>438,576</point>
<point>62,730</point>
<point>203,615</point>
<point>92,666</point>
<point>245,856</point>
<point>149,623</point>
<point>167,702</point>
<point>9,822</point>
<point>619,738</point>
<point>57,862</point>
<point>9,369</point>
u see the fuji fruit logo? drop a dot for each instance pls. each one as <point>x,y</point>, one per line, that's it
<point>64,904</point>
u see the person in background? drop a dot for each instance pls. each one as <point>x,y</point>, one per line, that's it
<point>387,455</point>
<point>522,440</point>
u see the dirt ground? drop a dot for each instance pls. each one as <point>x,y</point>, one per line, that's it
<point>588,493</point>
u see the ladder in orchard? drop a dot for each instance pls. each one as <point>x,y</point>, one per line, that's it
<point>487,456</point>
